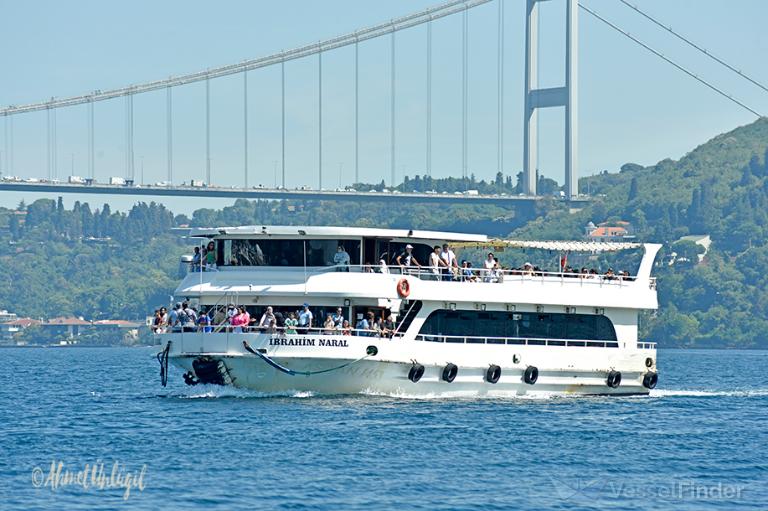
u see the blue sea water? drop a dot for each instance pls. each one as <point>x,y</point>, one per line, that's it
<point>700,441</point>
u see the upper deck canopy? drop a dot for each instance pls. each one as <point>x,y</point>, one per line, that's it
<point>305,232</point>
<point>459,240</point>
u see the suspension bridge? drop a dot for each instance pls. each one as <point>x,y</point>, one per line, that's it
<point>124,181</point>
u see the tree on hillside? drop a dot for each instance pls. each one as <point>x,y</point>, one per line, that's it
<point>633,191</point>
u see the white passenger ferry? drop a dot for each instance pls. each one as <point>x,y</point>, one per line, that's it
<point>438,332</point>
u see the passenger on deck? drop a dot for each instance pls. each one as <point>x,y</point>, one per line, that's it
<point>341,259</point>
<point>338,317</point>
<point>361,326</point>
<point>204,321</point>
<point>209,257</point>
<point>329,326</point>
<point>467,273</point>
<point>173,317</point>
<point>268,322</point>
<point>528,269</point>
<point>157,321</point>
<point>373,325</point>
<point>488,265</point>
<point>346,329</point>
<point>435,263</point>
<point>406,259</point>
<point>290,324</point>
<point>388,327</point>
<point>305,319</point>
<point>383,263</point>
<point>197,259</point>
<point>609,275</point>
<point>449,260</point>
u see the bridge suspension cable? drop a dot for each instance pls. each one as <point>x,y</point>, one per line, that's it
<point>402,23</point>
<point>694,45</point>
<point>670,61</point>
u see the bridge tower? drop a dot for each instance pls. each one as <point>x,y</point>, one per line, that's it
<point>566,96</point>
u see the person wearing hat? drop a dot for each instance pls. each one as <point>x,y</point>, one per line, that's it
<point>305,319</point>
<point>528,269</point>
<point>407,259</point>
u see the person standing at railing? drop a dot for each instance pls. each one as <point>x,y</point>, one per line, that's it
<point>209,256</point>
<point>268,322</point>
<point>341,259</point>
<point>329,326</point>
<point>488,266</point>
<point>449,260</point>
<point>290,324</point>
<point>406,259</point>
<point>362,326</point>
<point>197,259</point>
<point>435,263</point>
<point>204,321</point>
<point>305,319</point>
<point>338,317</point>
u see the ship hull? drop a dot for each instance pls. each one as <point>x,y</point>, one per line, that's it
<point>344,365</point>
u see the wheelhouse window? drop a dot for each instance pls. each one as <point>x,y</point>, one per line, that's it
<point>528,325</point>
<point>276,252</point>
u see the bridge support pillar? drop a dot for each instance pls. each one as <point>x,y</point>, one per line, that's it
<point>535,98</point>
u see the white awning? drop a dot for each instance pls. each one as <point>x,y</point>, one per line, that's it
<point>561,246</point>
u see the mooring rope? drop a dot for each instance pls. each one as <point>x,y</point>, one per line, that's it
<point>162,358</point>
<point>370,351</point>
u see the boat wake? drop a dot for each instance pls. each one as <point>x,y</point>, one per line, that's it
<point>708,393</point>
<point>219,392</point>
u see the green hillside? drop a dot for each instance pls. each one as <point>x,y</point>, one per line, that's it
<point>102,264</point>
<point>719,189</point>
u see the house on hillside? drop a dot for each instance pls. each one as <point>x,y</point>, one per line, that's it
<point>609,231</point>
<point>8,329</point>
<point>68,328</point>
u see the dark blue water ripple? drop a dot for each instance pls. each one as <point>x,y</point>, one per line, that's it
<point>699,442</point>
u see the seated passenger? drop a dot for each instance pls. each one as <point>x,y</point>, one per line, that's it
<point>388,327</point>
<point>609,275</point>
<point>467,274</point>
<point>383,263</point>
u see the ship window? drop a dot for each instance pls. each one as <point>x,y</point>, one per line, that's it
<point>276,252</point>
<point>527,325</point>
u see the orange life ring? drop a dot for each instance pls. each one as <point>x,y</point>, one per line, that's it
<point>403,288</point>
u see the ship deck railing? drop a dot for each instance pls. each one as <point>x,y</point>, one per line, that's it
<point>526,341</point>
<point>469,275</point>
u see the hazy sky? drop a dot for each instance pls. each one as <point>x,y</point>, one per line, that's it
<point>633,106</point>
